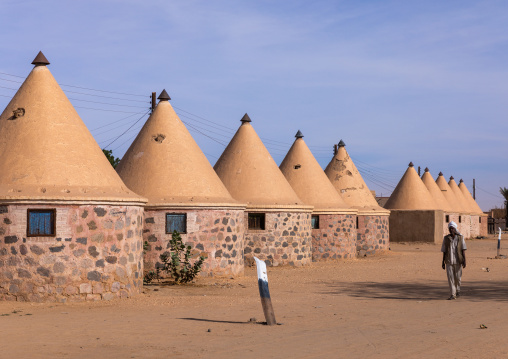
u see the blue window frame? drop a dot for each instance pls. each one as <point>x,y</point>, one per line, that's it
<point>41,223</point>
<point>176,222</point>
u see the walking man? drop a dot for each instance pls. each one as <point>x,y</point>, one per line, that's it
<point>454,258</point>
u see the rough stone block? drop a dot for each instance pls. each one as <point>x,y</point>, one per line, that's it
<point>85,288</point>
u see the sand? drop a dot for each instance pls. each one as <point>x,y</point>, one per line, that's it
<point>392,305</point>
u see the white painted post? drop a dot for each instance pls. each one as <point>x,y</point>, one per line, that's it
<point>264,293</point>
<point>499,243</point>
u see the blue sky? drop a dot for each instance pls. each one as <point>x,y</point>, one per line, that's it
<point>398,81</point>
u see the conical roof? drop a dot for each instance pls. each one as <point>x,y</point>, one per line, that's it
<point>308,180</point>
<point>166,165</point>
<point>460,197</point>
<point>435,192</point>
<point>467,195</point>
<point>251,175</point>
<point>411,193</point>
<point>346,179</point>
<point>46,151</point>
<point>448,194</point>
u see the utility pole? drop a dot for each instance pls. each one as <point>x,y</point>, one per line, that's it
<point>154,94</point>
<point>474,189</point>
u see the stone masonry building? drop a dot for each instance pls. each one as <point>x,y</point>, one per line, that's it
<point>333,221</point>
<point>70,229</point>
<point>278,223</point>
<point>166,165</point>
<point>372,220</point>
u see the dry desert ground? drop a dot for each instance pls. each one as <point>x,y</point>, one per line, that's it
<point>392,305</point>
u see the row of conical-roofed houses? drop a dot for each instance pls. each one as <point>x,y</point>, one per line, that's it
<point>73,228</point>
<point>421,208</point>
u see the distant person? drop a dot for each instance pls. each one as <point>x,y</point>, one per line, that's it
<point>454,258</point>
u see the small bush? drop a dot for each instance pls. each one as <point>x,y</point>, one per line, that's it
<point>177,262</point>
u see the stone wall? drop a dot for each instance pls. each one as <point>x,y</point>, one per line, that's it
<point>216,234</point>
<point>416,226</point>
<point>465,225</point>
<point>372,234</point>
<point>474,224</point>
<point>286,239</point>
<point>96,254</point>
<point>335,238</point>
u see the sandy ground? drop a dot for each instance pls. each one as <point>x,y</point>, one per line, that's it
<point>390,305</point>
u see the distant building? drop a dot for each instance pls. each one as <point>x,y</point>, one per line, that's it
<point>479,219</point>
<point>414,215</point>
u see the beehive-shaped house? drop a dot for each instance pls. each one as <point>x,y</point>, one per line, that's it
<point>372,220</point>
<point>184,193</point>
<point>278,222</point>
<point>410,193</point>
<point>435,192</point>
<point>457,213</point>
<point>439,199</point>
<point>465,210</point>
<point>479,220</point>
<point>333,221</point>
<point>414,215</point>
<point>70,227</point>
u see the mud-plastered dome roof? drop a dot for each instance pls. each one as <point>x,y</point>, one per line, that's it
<point>251,175</point>
<point>46,151</point>
<point>166,165</point>
<point>345,177</point>
<point>467,195</point>
<point>310,183</point>
<point>411,193</point>
<point>435,192</point>
<point>466,208</point>
<point>448,194</point>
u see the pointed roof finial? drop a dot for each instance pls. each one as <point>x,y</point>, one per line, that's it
<point>461,180</point>
<point>40,59</point>
<point>164,96</point>
<point>451,177</point>
<point>299,134</point>
<point>411,164</point>
<point>426,169</point>
<point>342,144</point>
<point>246,118</point>
<point>440,173</point>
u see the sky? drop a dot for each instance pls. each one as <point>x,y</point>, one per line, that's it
<point>398,81</point>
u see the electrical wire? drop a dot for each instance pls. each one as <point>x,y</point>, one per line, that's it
<point>103,109</point>
<point>123,133</point>
<point>111,123</point>
<point>498,196</point>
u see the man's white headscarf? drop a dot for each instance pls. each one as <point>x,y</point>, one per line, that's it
<point>454,225</point>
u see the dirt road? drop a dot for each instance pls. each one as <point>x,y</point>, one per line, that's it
<point>388,306</point>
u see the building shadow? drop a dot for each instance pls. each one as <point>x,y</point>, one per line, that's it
<point>432,290</point>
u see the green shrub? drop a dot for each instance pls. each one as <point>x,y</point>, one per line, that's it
<point>176,262</point>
